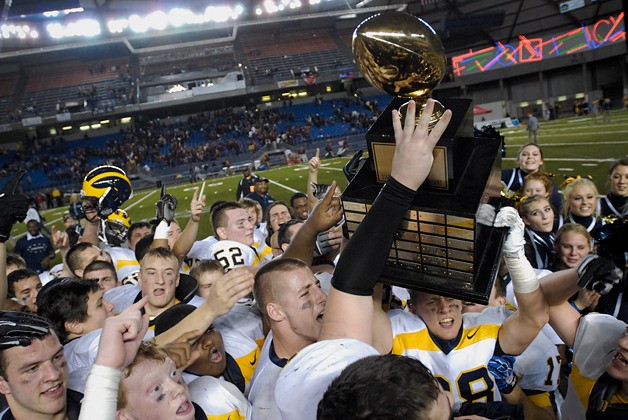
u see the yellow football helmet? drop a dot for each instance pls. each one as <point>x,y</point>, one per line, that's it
<point>114,228</point>
<point>109,187</point>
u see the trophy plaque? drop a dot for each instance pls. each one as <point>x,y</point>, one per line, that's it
<point>438,248</point>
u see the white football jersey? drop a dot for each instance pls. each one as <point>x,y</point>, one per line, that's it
<point>464,370</point>
<point>80,355</point>
<point>261,392</point>
<point>125,263</point>
<point>538,367</point>
<point>304,380</point>
<point>219,399</point>
<point>199,250</point>
<point>594,347</point>
<point>243,336</point>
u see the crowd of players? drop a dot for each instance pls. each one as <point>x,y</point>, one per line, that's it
<point>279,315</point>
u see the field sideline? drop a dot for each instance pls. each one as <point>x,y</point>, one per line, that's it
<point>572,146</point>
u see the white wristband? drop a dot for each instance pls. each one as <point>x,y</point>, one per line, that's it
<point>161,231</point>
<point>524,278</point>
<point>101,393</point>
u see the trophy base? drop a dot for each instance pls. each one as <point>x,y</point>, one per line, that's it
<point>439,247</point>
<point>437,113</point>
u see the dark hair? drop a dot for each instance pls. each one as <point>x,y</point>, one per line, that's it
<point>380,387</point>
<point>100,265</point>
<point>283,236</point>
<point>218,213</point>
<point>73,257</point>
<point>296,196</point>
<point>619,162</point>
<point>20,329</point>
<point>143,246</point>
<point>13,259</point>
<point>136,225</point>
<point>66,301</point>
<point>18,275</point>
<point>275,204</point>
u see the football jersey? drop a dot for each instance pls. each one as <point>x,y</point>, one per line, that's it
<point>199,250</point>
<point>538,367</point>
<point>80,355</point>
<point>243,336</point>
<point>219,399</point>
<point>125,263</point>
<point>464,370</point>
<point>593,349</point>
<point>231,254</point>
<point>304,380</point>
<point>262,387</point>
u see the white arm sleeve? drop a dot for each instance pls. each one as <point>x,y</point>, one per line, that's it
<point>101,394</point>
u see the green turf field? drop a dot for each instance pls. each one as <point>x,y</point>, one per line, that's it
<point>572,146</point>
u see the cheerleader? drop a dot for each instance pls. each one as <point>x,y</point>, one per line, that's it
<point>529,161</point>
<point>615,203</point>
<point>573,243</point>
<point>581,204</point>
<point>538,216</point>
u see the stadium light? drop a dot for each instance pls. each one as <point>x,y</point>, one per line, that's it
<point>179,17</point>
<point>137,24</point>
<point>117,26</point>
<point>218,14</point>
<point>157,20</point>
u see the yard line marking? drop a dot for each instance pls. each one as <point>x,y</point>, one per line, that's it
<point>140,200</point>
<point>283,186</point>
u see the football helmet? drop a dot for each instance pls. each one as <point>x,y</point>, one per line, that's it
<point>107,187</point>
<point>114,228</point>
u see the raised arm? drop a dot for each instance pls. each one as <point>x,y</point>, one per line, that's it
<point>518,331</point>
<point>314,164</point>
<point>190,233</point>
<point>349,308</point>
<point>325,214</point>
<point>121,337</point>
<point>233,286</point>
<point>592,273</point>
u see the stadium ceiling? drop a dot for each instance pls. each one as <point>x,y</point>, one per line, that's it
<point>461,24</point>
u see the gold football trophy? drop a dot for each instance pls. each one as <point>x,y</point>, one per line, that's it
<point>439,246</point>
<point>401,55</point>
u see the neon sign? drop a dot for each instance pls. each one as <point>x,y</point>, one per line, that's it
<point>603,32</point>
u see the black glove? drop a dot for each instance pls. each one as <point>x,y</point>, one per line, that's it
<point>323,247</point>
<point>13,207</point>
<point>19,328</point>
<point>351,168</point>
<point>598,274</point>
<point>320,190</point>
<point>166,206</point>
